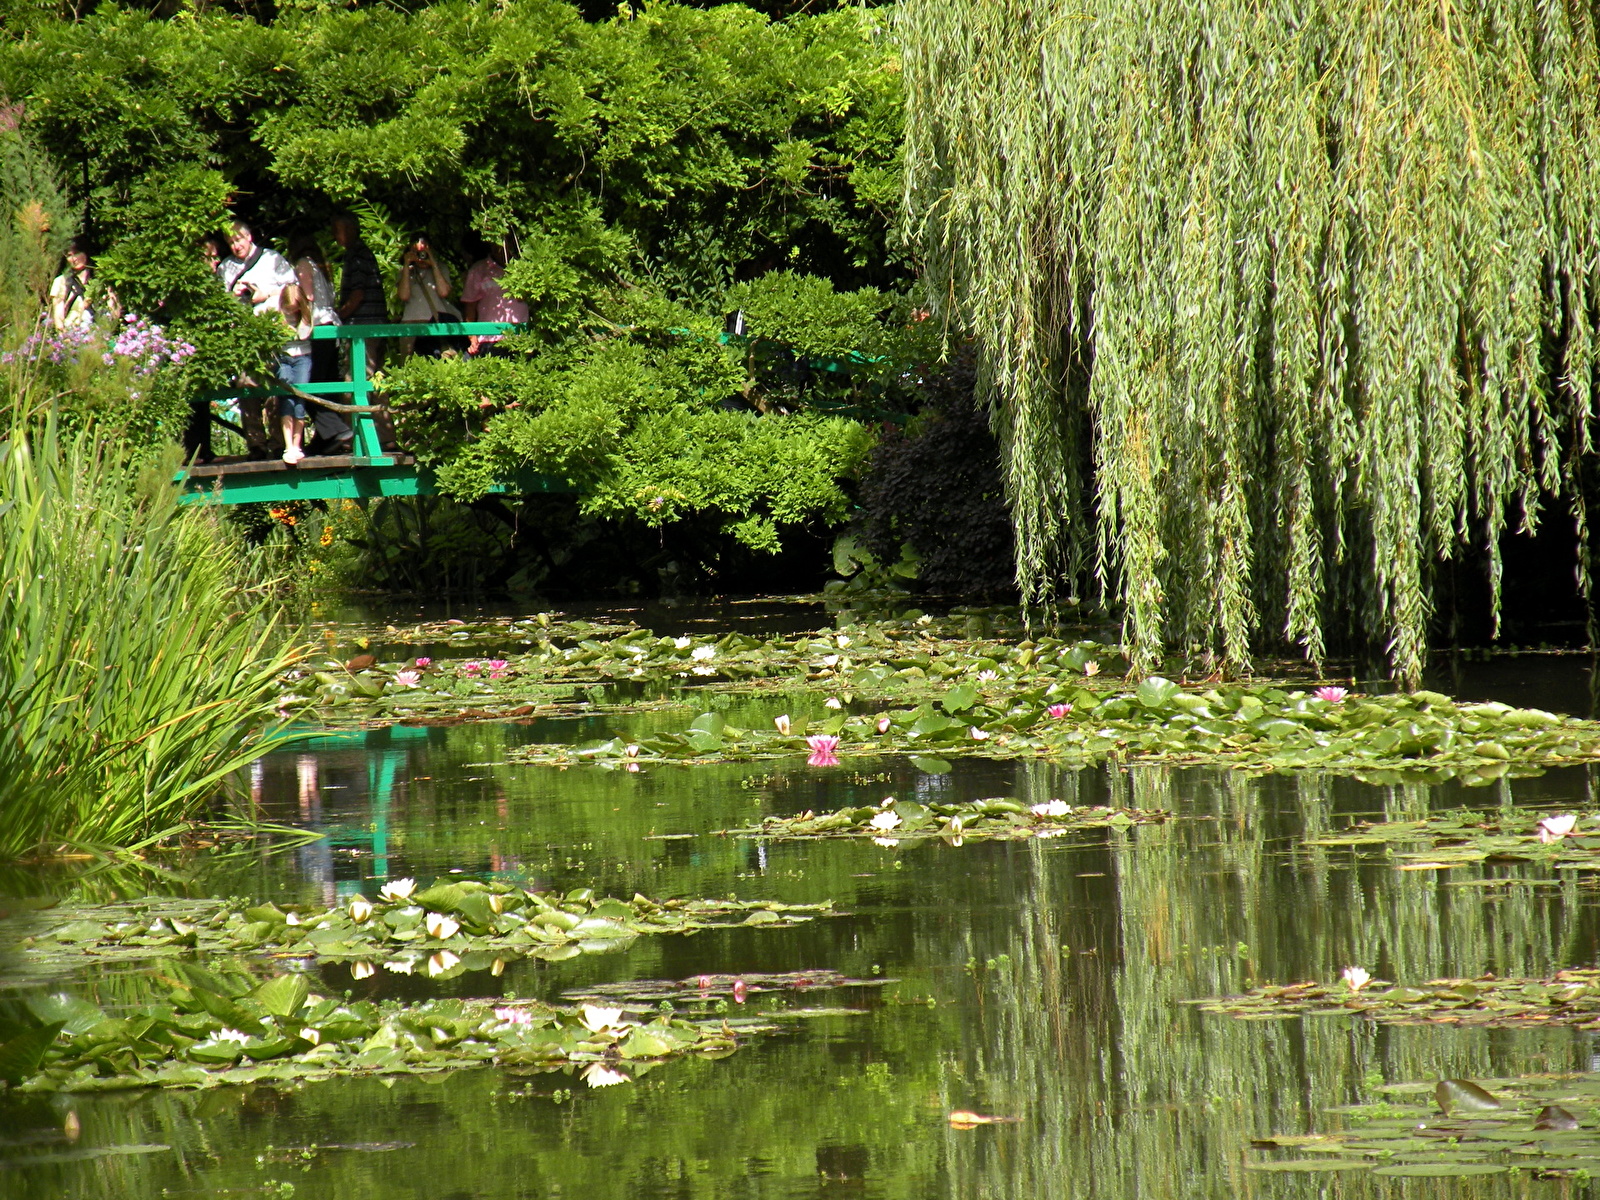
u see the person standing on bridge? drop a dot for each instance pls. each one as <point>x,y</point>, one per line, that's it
<point>424,288</point>
<point>319,306</point>
<point>361,302</point>
<point>485,301</point>
<point>257,276</point>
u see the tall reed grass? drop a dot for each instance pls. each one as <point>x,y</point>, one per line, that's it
<point>139,647</point>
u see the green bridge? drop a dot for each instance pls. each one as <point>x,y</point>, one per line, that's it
<point>368,470</point>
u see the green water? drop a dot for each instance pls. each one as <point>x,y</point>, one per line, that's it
<point>1036,980</point>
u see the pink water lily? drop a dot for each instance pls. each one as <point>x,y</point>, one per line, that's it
<point>497,667</point>
<point>1057,711</point>
<point>740,991</point>
<point>471,668</point>
<point>1333,695</point>
<point>883,724</point>
<point>513,1016</point>
<point>822,750</point>
<point>1356,978</point>
<point>408,679</point>
<point>424,662</point>
<point>1553,829</point>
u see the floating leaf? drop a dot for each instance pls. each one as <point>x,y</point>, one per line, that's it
<point>930,766</point>
<point>1462,1095</point>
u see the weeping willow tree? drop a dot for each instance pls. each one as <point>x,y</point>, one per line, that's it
<point>1280,305</point>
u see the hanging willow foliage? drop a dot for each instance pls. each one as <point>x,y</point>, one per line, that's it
<point>1280,304</point>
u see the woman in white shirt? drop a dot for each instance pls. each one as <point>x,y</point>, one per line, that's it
<point>424,288</point>
<point>70,304</point>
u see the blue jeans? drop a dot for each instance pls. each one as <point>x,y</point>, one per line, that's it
<point>295,370</point>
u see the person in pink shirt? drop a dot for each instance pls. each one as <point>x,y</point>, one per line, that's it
<point>482,299</point>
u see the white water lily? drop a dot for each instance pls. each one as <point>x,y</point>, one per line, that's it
<point>360,909</point>
<point>1091,668</point>
<point>231,1035</point>
<point>361,970</point>
<point>311,1035</point>
<point>978,735</point>
<point>291,918</point>
<point>843,641</point>
<point>1052,808</point>
<point>782,723</point>
<point>630,751</point>
<point>1553,829</point>
<point>830,660</point>
<point>596,1019</point>
<point>833,702</point>
<point>885,820</point>
<point>441,962</point>
<point>956,825</point>
<point>704,653</point>
<point>497,903</point>
<point>400,966</point>
<point>1356,978</point>
<point>924,619</point>
<point>441,926</point>
<point>682,643</point>
<point>398,890</point>
<point>883,841</point>
<point>988,676</point>
<point>600,1075</point>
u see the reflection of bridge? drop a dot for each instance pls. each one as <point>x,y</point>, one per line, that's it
<point>369,470</point>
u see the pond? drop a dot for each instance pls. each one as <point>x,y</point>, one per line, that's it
<point>1040,980</point>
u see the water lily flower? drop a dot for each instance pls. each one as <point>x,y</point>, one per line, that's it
<point>830,660</point>
<point>988,676</point>
<point>630,751</point>
<point>408,679</point>
<point>978,735</point>
<point>924,619</point>
<point>1058,711</point>
<point>682,643</point>
<point>1091,668</point>
<point>361,970</point>
<point>702,982</point>
<point>1355,978</point>
<point>883,724</point>
<point>497,668</point>
<point>822,750</point>
<point>424,663</point>
<point>1052,808</point>
<point>292,918</point>
<point>231,1035</point>
<point>399,889</point>
<point>470,668</point>
<point>833,702</point>
<point>360,909</point>
<point>441,962</point>
<point>441,926</point>
<point>1333,695</point>
<point>703,653</point>
<point>888,842</point>
<point>843,641</point>
<point>740,991</point>
<point>311,1035</point>
<point>497,903</point>
<point>885,821</point>
<point>782,723</point>
<point>513,1016</point>
<point>1553,829</point>
<point>400,966</point>
<point>596,1019</point>
<point>600,1075</point>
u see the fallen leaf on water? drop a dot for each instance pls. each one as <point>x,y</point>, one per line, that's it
<point>961,1119</point>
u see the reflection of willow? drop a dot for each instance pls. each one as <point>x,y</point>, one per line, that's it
<point>1124,1091</point>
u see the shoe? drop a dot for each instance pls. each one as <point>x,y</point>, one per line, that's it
<point>293,455</point>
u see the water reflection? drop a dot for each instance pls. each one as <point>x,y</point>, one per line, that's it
<point>1038,980</point>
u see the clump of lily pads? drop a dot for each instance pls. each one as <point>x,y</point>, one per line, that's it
<point>216,1028</point>
<point>438,931</point>
<point>1417,735</point>
<point>1569,997</point>
<point>1535,1124</point>
<point>893,821</point>
<point>1451,839</point>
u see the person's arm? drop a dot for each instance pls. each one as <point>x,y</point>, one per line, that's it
<point>402,287</point>
<point>441,280</point>
<point>352,303</point>
<point>308,290</point>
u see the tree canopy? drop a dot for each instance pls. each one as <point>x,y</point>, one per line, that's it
<point>1278,305</point>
